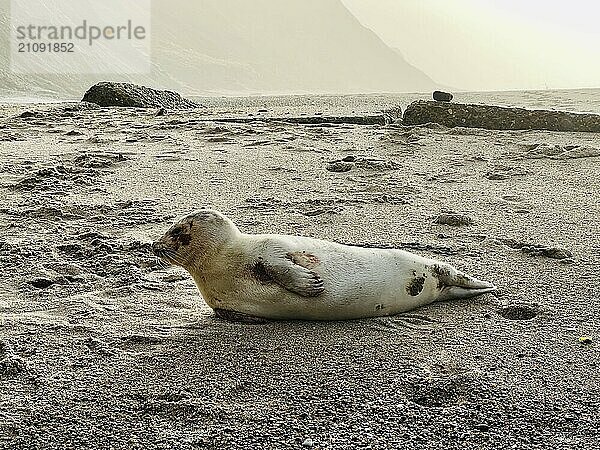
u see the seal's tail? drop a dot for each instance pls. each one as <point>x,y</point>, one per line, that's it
<point>455,284</point>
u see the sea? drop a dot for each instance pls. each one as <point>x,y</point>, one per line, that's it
<point>579,100</point>
<point>574,100</point>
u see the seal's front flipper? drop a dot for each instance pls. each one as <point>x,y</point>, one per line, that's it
<point>289,271</point>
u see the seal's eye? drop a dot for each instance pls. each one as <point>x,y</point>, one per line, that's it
<point>176,231</point>
<point>181,234</point>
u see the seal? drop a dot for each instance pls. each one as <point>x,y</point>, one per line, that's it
<point>250,277</point>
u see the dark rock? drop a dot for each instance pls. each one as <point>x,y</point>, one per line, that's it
<point>41,283</point>
<point>340,166</point>
<point>161,112</point>
<point>74,133</point>
<point>385,117</point>
<point>453,219</point>
<point>27,114</point>
<point>497,117</point>
<point>107,93</point>
<point>440,96</point>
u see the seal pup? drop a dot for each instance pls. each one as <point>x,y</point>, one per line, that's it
<point>269,276</point>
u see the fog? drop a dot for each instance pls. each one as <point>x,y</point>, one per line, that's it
<point>242,47</point>
<point>213,47</point>
<point>489,44</point>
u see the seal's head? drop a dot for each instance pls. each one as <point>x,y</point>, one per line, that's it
<point>195,238</point>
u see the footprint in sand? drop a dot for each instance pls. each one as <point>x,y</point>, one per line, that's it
<point>453,219</point>
<point>401,322</point>
<point>368,164</point>
<point>540,250</point>
<point>556,151</point>
<point>11,365</point>
<point>446,391</point>
<point>9,136</point>
<point>512,198</point>
<point>519,311</point>
<point>139,342</point>
<point>99,346</point>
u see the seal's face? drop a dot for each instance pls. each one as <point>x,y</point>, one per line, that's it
<point>194,238</point>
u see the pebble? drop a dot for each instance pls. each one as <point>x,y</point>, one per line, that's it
<point>585,340</point>
<point>441,96</point>
<point>482,427</point>
<point>308,443</point>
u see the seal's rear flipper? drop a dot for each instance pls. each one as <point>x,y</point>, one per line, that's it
<point>456,292</point>
<point>454,284</point>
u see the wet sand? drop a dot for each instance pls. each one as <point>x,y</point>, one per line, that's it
<point>102,347</point>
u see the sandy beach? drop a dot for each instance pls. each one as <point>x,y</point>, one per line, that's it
<point>102,347</point>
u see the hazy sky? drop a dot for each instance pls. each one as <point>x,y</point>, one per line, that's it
<point>492,44</point>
